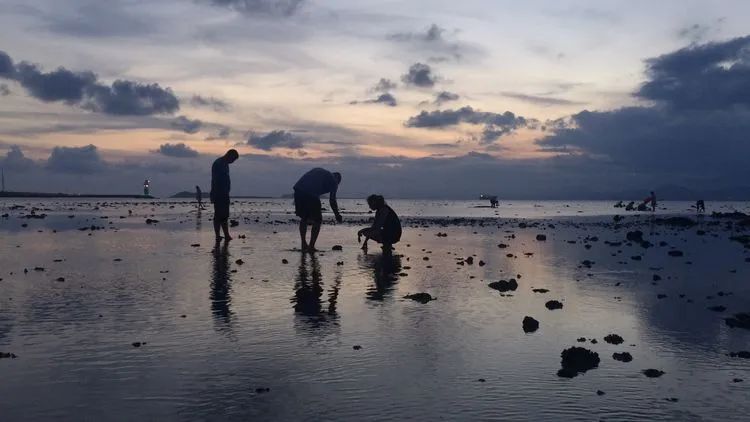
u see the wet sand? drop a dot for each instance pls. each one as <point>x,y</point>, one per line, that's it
<point>285,336</point>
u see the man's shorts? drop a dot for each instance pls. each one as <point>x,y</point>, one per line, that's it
<point>308,207</point>
<point>221,209</point>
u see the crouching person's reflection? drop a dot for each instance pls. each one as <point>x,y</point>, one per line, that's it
<point>385,270</point>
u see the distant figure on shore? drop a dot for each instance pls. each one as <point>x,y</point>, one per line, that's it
<point>492,198</point>
<point>649,199</point>
<point>700,206</point>
<point>199,197</point>
<point>386,228</point>
<point>307,206</point>
<point>220,187</point>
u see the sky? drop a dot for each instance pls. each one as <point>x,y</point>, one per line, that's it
<point>424,99</point>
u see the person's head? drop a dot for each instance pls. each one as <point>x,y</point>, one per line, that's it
<point>232,155</point>
<point>197,187</point>
<point>337,176</point>
<point>375,201</point>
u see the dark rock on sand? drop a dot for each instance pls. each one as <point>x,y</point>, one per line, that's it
<point>553,304</point>
<point>503,285</point>
<point>653,373</point>
<point>357,347</point>
<point>420,297</point>
<point>540,290</point>
<point>741,320</point>
<point>675,253</point>
<point>635,236</point>
<point>530,324</point>
<point>742,355</point>
<point>262,390</point>
<point>622,357</point>
<point>600,393</point>
<point>239,262</point>
<point>541,237</point>
<point>337,248</point>
<point>737,380</point>
<point>138,343</point>
<point>7,355</point>
<point>577,360</point>
<point>718,308</point>
<point>613,339</point>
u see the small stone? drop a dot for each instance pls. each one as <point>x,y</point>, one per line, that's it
<point>420,297</point>
<point>622,357</point>
<point>540,290</point>
<point>613,339</point>
<point>239,262</point>
<point>675,253</point>
<point>138,343</point>
<point>337,248</point>
<point>262,390</point>
<point>653,373</point>
<point>357,347</point>
<point>503,285</point>
<point>284,261</point>
<point>553,304</point>
<point>530,324</point>
<point>541,237</point>
<point>600,393</point>
<point>7,355</point>
<point>60,279</point>
<point>743,354</point>
<point>577,360</point>
<point>481,380</point>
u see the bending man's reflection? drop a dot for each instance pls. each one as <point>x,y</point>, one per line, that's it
<point>385,269</point>
<point>220,285</point>
<point>308,292</point>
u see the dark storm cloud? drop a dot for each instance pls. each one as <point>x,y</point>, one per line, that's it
<point>697,128</point>
<point>542,100</point>
<point>186,125</point>
<point>277,8</point>
<point>16,160</point>
<point>384,85</point>
<point>7,70</point>
<point>179,150</point>
<point>708,76</point>
<point>83,89</point>
<point>496,125</point>
<point>386,99</point>
<point>275,139</point>
<point>445,97</point>
<point>419,75</point>
<point>76,160</point>
<point>215,104</point>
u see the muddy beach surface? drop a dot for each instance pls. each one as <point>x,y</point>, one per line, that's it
<point>128,310</point>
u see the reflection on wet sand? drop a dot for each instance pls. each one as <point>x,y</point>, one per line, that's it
<point>385,270</point>
<point>308,292</point>
<point>221,288</point>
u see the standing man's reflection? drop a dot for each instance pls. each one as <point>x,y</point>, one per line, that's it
<point>221,289</point>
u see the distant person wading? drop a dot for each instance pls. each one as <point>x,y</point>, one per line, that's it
<point>220,187</point>
<point>307,206</point>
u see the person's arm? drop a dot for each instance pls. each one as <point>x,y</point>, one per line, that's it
<point>335,206</point>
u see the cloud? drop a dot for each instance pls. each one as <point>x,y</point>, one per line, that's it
<point>223,133</point>
<point>76,160</point>
<point>541,100</point>
<point>433,41</point>
<point>694,33</point>
<point>274,8</point>
<point>16,160</point>
<point>384,85</point>
<point>386,99</point>
<point>496,124</point>
<point>98,19</point>
<point>275,139</point>
<point>186,125</point>
<point>703,77</point>
<point>419,75</point>
<point>443,97</point>
<point>179,150</point>
<point>4,90</point>
<point>82,89</point>
<point>217,105</point>
<point>696,130</point>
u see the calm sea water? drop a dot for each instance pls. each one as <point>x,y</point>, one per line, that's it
<point>218,332</point>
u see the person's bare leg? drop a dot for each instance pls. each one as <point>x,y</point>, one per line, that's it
<point>217,226</point>
<point>225,227</point>
<point>303,234</point>
<point>314,235</point>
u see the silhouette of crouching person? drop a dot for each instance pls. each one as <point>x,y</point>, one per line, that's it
<point>386,229</point>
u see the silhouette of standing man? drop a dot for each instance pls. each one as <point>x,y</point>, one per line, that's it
<point>220,187</point>
<point>199,197</point>
<point>307,207</point>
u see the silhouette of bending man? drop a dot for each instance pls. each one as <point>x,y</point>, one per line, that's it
<point>307,206</point>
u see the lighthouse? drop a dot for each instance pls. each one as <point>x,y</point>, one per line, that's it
<point>146,187</point>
